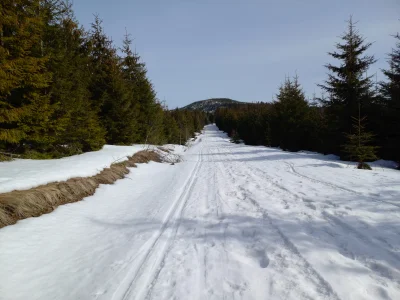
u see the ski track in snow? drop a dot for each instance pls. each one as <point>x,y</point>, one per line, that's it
<point>229,222</point>
<point>147,270</point>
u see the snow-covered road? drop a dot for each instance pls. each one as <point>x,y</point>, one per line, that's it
<point>229,222</point>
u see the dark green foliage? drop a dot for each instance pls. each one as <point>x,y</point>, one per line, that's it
<point>290,116</point>
<point>172,132</point>
<point>290,122</point>
<point>65,91</point>
<point>78,127</point>
<point>180,125</point>
<point>109,92</point>
<point>347,85</point>
<point>390,90</point>
<point>249,121</point>
<point>129,112</point>
<point>358,146</point>
<point>25,109</point>
<point>326,125</point>
<point>235,138</point>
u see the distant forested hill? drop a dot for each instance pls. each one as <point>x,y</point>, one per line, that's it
<point>211,105</point>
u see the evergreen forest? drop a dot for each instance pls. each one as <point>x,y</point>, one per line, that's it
<point>356,117</point>
<point>65,89</point>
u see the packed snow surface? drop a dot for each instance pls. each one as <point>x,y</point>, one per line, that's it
<point>229,222</point>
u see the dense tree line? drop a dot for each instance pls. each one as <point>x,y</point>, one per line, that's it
<point>356,118</point>
<point>66,90</point>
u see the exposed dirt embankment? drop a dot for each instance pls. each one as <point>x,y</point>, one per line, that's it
<point>18,205</point>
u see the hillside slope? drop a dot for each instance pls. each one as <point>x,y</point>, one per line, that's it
<point>210,105</point>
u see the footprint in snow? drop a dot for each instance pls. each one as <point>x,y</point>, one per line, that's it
<point>377,292</point>
<point>116,264</point>
<point>309,204</point>
<point>263,260</point>
<point>261,257</point>
<point>307,201</point>
<point>312,206</point>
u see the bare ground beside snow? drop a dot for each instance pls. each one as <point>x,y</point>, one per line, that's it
<point>18,205</point>
<point>229,222</point>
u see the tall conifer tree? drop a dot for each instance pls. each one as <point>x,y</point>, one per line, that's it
<point>25,109</point>
<point>129,65</point>
<point>78,126</point>
<point>291,111</point>
<point>347,85</point>
<point>391,93</point>
<point>109,92</point>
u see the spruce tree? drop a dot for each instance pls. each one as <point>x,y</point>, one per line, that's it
<point>267,133</point>
<point>150,111</point>
<point>147,111</point>
<point>316,130</point>
<point>390,91</point>
<point>171,127</point>
<point>235,138</point>
<point>110,94</point>
<point>291,112</point>
<point>78,126</point>
<point>155,119</point>
<point>358,146</point>
<point>102,57</point>
<point>129,64</point>
<point>25,109</point>
<point>347,85</point>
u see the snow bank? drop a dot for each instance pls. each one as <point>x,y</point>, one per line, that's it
<point>176,149</point>
<point>384,164</point>
<point>378,163</point>
<point>22,174</point>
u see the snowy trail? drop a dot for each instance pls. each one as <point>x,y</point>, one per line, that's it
<point>143,275</point>
<point>229,222</point>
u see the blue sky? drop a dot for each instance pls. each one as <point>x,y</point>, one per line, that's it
<point>198,49</point>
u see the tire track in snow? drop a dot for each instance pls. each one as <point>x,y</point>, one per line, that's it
<point>210,247</point>
<point>175,228</point>
<point>206,214</point>
<point>346,249</point>
<point>223,228</point>
<point>215,216</point>
<point>325,215</point>
<point>200,249</point>
<point>161,261</point>
<point>334,186</point>
<point>370,241</point>
<point>144,268</point>
<point>331,185</point>
<point>322,286</point>
<point>367,258</point>
<point>269,179</point>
